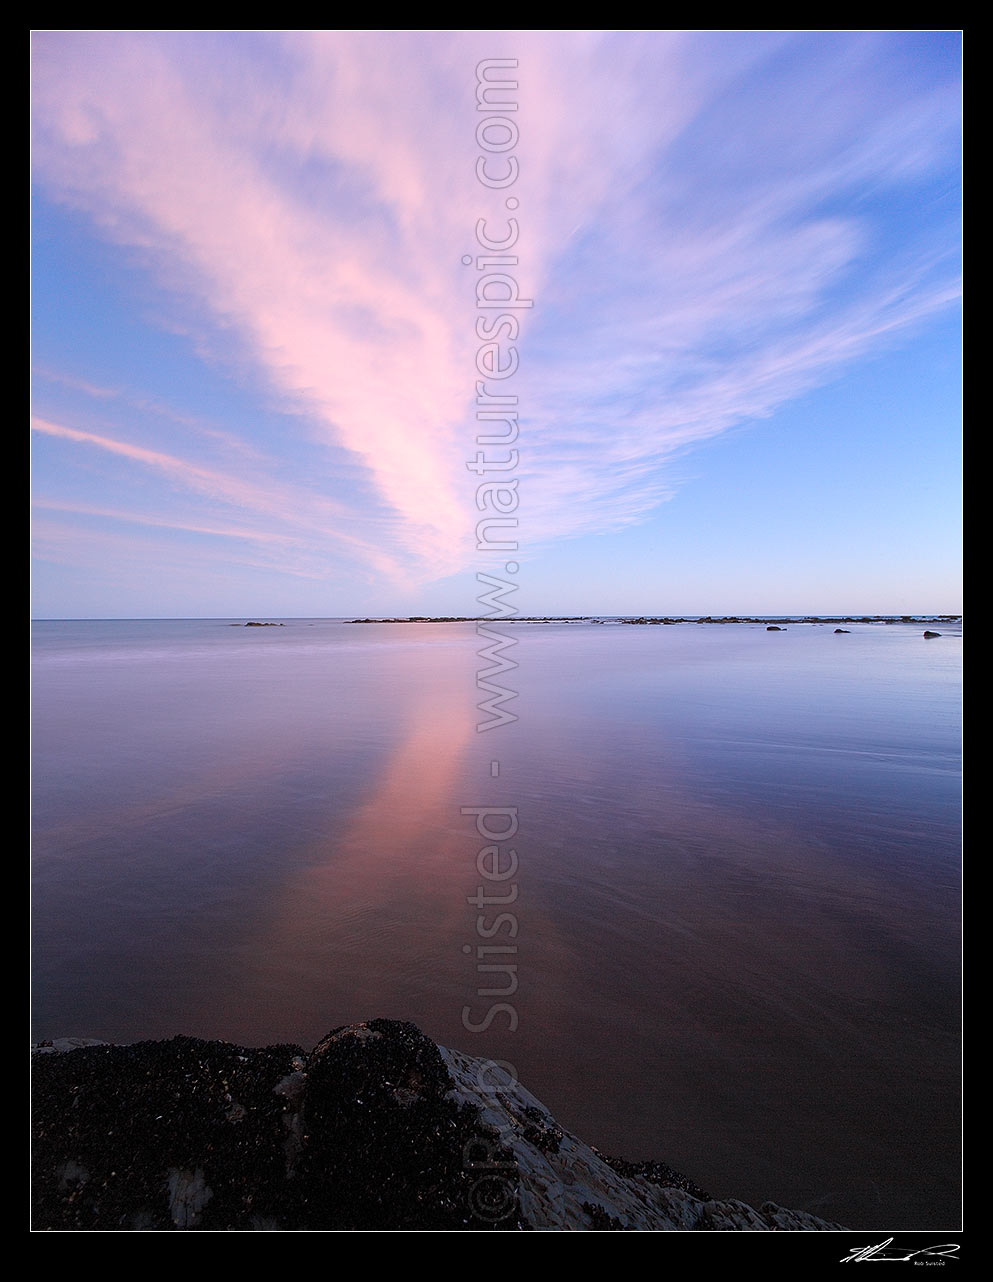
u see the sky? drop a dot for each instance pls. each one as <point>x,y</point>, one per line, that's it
<point>331,323</point>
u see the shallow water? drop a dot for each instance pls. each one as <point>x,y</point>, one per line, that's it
<point>735,928</point>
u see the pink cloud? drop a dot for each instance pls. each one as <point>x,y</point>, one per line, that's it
<point>315,192</point>
<point>144,518</point>
<point>319,520</point>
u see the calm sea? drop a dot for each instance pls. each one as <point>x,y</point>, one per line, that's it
<point>728,931</point>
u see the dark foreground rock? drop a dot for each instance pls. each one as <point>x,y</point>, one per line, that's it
<point>376,1129</point>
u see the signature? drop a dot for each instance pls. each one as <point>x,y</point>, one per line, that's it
<point>874,1253</point>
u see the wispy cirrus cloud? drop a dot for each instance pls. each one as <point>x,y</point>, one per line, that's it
<point>145,518</point>
<point>150,562</point>
<point>293,516</point>
<point>709,226</point>
<point>220,486</point>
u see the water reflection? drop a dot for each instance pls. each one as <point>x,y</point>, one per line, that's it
<point>738,878</point>
<point>370,908</point>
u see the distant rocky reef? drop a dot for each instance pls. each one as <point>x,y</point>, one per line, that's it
<point>664,619</point>
<point>377,1128</point>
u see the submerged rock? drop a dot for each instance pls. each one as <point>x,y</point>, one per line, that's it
<point>377,1128</point>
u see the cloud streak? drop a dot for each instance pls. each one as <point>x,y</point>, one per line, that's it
<point>709,227</point>
<point>317,519</point>
<point>143,518</point>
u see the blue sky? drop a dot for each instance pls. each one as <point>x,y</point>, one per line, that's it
<point>730,336</point>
